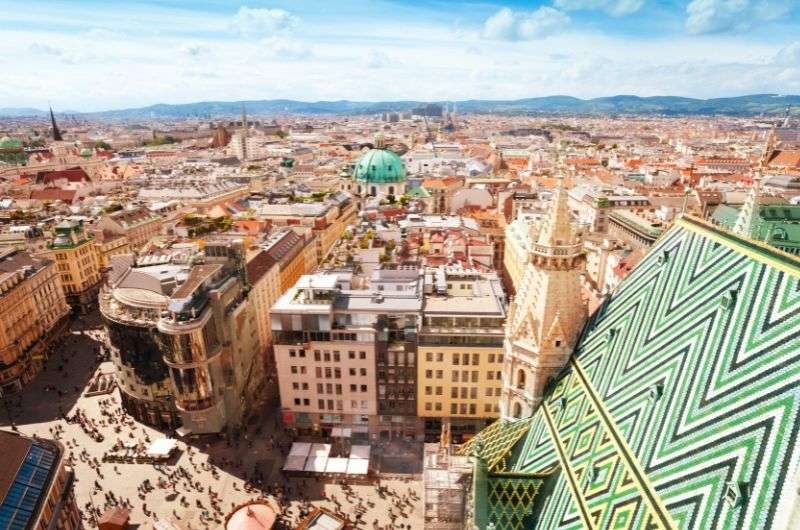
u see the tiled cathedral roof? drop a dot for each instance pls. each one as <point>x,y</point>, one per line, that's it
<point>679,407</point>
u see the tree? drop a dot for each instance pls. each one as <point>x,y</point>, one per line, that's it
<point>280,133</point>
<point>103,145</point>
<point>113,207</point>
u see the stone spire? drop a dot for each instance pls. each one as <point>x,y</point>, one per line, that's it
<point>56,133</point>
<point>557,230</point>
<point>748,220</point>
<point>547,313</point>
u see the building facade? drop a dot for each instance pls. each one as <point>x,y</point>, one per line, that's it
<point>76,261</point>
<point>184,337</point>
<point>138,225</point>
<point>460,360</point>
<point>347,357</point>
<point>34,313</point>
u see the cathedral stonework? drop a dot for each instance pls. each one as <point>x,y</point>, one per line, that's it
<point>547,313</point>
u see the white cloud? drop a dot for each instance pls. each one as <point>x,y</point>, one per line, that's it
<point>39,48</point>
<point>284,48</point>
<point>716,16</point>
<point>263,22</point>
<point>378,59</point>
<point>193,49</point>
<point>524,25</point>
<point>64,55</point>
<point>616,8</point>
<point>789,54</point>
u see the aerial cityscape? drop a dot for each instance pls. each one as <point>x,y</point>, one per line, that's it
<point>400,265</point>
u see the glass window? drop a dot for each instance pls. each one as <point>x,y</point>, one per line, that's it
<point>454,392</point>
<point>428,405</point>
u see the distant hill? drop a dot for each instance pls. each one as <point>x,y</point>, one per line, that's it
<point>663,105</point>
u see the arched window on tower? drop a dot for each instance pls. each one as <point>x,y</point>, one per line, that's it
<point>517,410</point>
<point>521,379</point>
<point>373,191</point>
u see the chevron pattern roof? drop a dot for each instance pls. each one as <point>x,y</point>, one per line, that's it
<point>679,408</point>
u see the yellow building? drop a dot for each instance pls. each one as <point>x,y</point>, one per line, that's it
<point>34,314</point>
<point>107,245</point>
<point>460,353</point>
<point>310,260</point>
<point>77,262</point>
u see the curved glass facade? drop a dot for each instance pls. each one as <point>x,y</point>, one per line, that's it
<point>138,350</point>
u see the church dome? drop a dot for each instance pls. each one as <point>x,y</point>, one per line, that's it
<point>9,143</point>
<point>379,166</point>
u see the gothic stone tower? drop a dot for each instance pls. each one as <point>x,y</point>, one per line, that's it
<point>547,313</point>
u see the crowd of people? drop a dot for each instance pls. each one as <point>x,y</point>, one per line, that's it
<point>204,481</point>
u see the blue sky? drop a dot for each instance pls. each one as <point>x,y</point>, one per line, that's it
<point>94,55</point>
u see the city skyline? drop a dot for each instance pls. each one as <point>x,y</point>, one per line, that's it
<point>137,54</point>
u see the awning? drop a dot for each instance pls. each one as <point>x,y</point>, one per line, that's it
<point>300,449</point>
<point>294,463</point>
<point>320,450</point>
<point>357,466</point>
<point>360,451</point>
<point>162,448</point>
<point>316,464</point>
<point>336,465</point>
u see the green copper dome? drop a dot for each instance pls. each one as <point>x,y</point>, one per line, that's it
<point>9,143</point>
<point>379,166</point>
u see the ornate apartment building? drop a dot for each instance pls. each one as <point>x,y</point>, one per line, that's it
<point>34,313</point>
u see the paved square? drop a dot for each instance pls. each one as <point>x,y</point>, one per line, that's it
<point>207,477</point>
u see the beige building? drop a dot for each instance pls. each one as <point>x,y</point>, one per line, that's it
<point>547,313</point>
<point>138,225</point>
<point>346,357</point>
<point>263,274</point>
<point>460,359</point>
<point>34,315</point>
<point>108,245</point>
<point>77,263</point>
